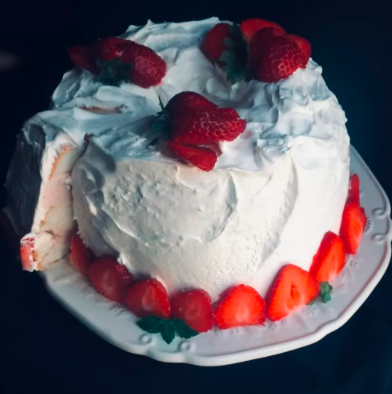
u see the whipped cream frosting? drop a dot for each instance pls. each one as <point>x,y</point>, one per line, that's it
<point>272,195</point>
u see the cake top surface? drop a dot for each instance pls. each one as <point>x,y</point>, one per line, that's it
<point>299,115</point>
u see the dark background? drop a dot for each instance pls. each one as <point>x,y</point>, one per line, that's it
<point>45,349</point>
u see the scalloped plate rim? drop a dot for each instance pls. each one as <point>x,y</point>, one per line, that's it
<point>261,352</point>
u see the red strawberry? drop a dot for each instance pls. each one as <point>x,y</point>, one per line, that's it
<point>201,157</point>
<point>110,278</point>
<point>281,59</point>
<point>148,68</point>
<point>111,48</point>
<point>251,26</point>
<point>261,41</point>
<point>199,126</point>
<point>303,45</point>
<point>292,288</point>
<point>329,259</point>
<point>353,190</point>
<point>195,308</point>
<point>80,257</point>
<point>352,227</point>
<point>148,298</point>
<point>185,100</point>
<point>213,44</point>
<point>242,306</point>
<point>84,58</point>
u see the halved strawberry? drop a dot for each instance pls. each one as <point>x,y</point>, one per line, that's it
<point>353,190</point>
<point>329,259</point>
<point>251,26</point>
<point>352,227</point>
<point>195,308</point>
<point>242,306</point>
<point>303,45</point>
<point>81,257</point>
<point>148,298</point>
<point>83,57</point>
<point>110,278</point>
<point>201,157</point>
<point>110,48</point>
<point>292,288</point>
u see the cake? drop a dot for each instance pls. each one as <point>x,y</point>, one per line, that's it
<point>255,202</point>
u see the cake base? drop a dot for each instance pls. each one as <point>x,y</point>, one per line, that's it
<point>361,274</point>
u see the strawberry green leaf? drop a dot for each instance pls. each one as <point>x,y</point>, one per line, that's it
<point>113,72</point>
<point>236,56</point>
<point>325,291</point>
<point>183,330</point>
<point>168,331</point>
<point>152,324</point>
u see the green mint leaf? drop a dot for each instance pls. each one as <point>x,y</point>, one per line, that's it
<point>183,330</point>
<point>325,291</point>
<point>152,324</point>
<point>168,331</point>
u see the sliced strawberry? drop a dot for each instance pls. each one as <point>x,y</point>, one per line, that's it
<point>99,110</point>
<point>110,48</point>
<point>203,158</point>
<point>292,288</point>
<point>214,42</point>
<point>242,306</point>
<point>329,259</point>
<point>110,278</point>
<point>148,298</point>
<point>280,60</point>
<point>352,227</point>
<point>251,26</point>
<point>83,57</point>
<point>303,45</point>
<point>28,255</point>
<point>185,100</point>
<point>81,257</point>
<point>353,190</point>
<point>195,308</point>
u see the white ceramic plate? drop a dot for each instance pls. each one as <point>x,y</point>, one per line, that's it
<point>360,276</point>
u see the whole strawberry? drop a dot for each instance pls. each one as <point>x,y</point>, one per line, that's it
<point>224,44</point>
<point>147,67</point>
<point>203,126</point>
<point>214,42</point>
<point>115,60</point>
<point>280,58</point>
<point>251,26</point>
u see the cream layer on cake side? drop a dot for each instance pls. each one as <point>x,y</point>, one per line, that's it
<point>273,194</point>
